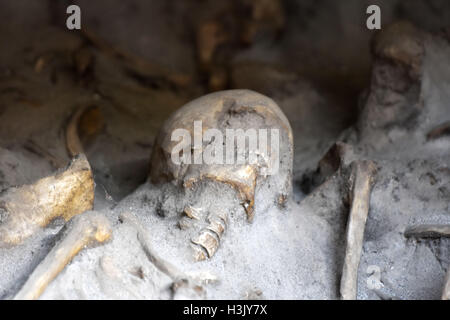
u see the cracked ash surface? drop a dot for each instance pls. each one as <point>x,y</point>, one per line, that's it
<point>291,252</point>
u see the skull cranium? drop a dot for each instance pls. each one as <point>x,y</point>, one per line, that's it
<point>230,114</point>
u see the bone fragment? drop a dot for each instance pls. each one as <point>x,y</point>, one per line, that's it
<point>446,292</point>
<point>73,142</point>
<point>192,212</point>
<point>363,173</point>
<point>84,123</point>
<point>162,265</point>
<point>88,229</point>
<point>428,231</point>
<point>26,209</point>
<point>207,243</point>
<point>440,131</point>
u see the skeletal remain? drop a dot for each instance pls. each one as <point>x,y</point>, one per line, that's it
<point>87,121</point>
<point>428,231</point>
<point>343,178</point>
<point>209,36</point>
<point>363,179</point>
<point>162,265</point>
<point>191,215</point>
<point>88,229</point>
<point>440,131</point>
<point>191,212</point>
<point>73,143</point>
<point>184,284</point>
<point>209,238</point>
<point>217,110</point>
<point>26,209</point>
<point>446,292</point>
<point>207,241</point>
<point>111,280</point>
<point>233,109</point>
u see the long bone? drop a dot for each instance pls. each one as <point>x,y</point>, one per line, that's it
<point>25,209</point>
<point>341,177</point>
<point>363,173</point>
<point>88,229</point>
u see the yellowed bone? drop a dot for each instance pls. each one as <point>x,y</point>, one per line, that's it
<point>88,229</point>
<point>26,209</point>
<point>207,243</point>
<point>363,175</point>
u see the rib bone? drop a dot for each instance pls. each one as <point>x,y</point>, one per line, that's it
<point>84,124</point>
<point>179,278</point>
<point>88,229</point>
<point>162,265</point>
<point>73,143</point>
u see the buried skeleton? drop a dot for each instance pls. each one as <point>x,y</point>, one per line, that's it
<point>208,147</point>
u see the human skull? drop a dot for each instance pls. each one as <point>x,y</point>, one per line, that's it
<point>223,156</point>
